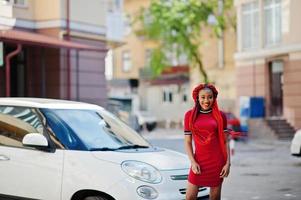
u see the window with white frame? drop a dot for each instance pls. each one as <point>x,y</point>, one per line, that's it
<point>272,22</point>
<point>127,24</point>
<point>115,5</point>
<point>184,93</point>
<point>126,61</point>
<point>250,25</point>
<point>167,96</point>
<point>20,2</point>
<point>14,2</point>
<point>148,55</point>
<point>118,4</point>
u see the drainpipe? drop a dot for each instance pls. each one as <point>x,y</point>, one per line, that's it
<point>7,67</point>
<point>68,50</point>
<point>221,39</point>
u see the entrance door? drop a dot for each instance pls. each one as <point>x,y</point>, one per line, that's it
<point>276,82</point>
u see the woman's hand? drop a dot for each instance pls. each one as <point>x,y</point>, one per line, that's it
<point>225,171</point>
<point>195,168</point>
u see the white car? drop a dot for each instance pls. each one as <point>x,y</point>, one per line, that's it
<point>57,150</point>
<point>296,144</point>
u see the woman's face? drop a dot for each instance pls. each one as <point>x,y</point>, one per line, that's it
<point>206,99</point>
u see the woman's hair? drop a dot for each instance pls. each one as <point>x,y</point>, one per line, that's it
<point>215,112</point>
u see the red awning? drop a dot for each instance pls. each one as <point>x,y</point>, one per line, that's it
<point>36,39</point>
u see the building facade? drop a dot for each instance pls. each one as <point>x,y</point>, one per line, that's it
<point>269,56</point>
<point>168,97</point>
<point>55,48</point>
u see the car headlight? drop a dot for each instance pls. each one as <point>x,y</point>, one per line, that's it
<point>141,171</point>
<point>147,192</point>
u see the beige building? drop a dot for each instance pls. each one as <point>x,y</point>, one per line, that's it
<point>57,48</point>
<point>269,56</point>
<point>170,96</point>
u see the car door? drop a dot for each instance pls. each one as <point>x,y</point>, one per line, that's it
<point>26,172</point>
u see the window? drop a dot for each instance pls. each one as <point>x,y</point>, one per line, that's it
<point>272,17</point>
<point>250,25</point>
<point>90,130</point>
<point>126,61</point>
<point>115,5</point>
<point>14,2</point>
<point>15,123</point>
<point>148,55</point>
<point>20,2</point>
<point>118,4</point>
<point>167,96</point>
<point>127,24</point>
<point>184,98</point>
<point>184,94</point>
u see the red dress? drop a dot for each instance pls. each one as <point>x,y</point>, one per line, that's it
<point>208,152</point>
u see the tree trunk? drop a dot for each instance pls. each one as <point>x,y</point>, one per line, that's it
<point>201,67</point>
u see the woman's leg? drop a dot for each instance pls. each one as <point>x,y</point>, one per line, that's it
<point>192,191</point>
<point>215,192</point>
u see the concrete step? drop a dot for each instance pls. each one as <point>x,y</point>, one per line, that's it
<point>282,129</point>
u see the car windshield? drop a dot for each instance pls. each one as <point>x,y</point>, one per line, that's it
<point>92,130</point>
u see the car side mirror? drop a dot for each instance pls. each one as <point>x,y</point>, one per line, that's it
<point>35,140</point>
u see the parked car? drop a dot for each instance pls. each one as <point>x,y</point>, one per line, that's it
<point>233,122</point>
<point>56,149</point>
<point>296,144</point>
<point>146,120</point>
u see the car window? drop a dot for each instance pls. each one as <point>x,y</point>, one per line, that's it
<point>15,123</point>
<point>89,129</point>
<point>61,131</point>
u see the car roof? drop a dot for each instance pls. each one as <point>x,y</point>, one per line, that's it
<point>46,103</point>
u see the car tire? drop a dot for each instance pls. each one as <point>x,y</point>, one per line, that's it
<point>151,126</point>
<point>95,198</point>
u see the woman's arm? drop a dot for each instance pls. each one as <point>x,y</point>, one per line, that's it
<point>226,169</point>
<point>228,151</point>
<point>189,150</point>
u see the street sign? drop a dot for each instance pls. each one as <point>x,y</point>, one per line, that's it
<point>1,54</point>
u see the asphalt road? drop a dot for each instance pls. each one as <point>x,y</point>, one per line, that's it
<point>262,170</point>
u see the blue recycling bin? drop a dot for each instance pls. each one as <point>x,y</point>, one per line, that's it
<point>250,107</point>
<point>256,107</point>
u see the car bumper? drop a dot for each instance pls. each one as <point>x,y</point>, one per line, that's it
<point>172,187</point>
<point>295,148</point>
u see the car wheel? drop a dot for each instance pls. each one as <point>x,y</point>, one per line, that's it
<point>151,126</point>
<point>95,198</point>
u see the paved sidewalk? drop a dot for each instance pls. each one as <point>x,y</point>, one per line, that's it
<point>260,169</point>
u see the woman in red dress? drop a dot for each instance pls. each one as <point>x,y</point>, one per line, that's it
<point>205,125</point>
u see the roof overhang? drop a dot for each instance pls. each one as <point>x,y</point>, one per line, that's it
<point>36,39</point>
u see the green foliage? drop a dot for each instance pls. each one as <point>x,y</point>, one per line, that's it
<point>158,61</point>
<point>179,23</point>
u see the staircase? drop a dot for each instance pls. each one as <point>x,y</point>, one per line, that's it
<point>282,129</point>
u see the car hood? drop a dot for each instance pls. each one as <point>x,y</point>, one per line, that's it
<point>162,159</point>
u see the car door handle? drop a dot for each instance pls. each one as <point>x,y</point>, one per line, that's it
<point>4,158</point>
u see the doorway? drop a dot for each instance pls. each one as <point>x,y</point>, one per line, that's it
<point>276,87</point>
